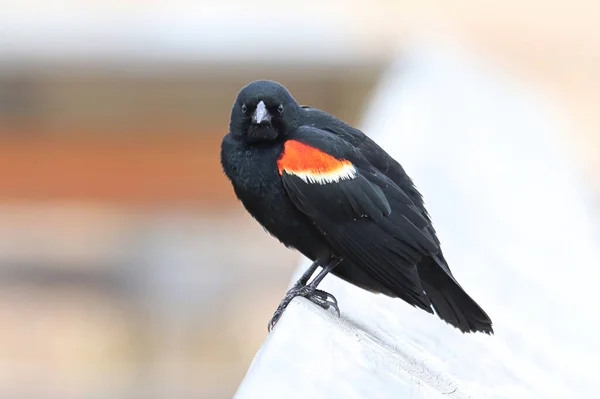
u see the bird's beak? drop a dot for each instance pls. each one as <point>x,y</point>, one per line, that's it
<point>261,114</point>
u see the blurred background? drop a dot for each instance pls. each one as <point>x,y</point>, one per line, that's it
<point>127,267</point>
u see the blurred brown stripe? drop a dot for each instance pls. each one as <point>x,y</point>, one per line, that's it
<point>142,169</point>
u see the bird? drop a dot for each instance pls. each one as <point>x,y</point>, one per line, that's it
<point>329,191</point>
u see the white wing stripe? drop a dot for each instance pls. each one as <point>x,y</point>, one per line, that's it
<point>346,172</point>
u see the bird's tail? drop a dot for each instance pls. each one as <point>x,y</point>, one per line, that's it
<point>451,302</point>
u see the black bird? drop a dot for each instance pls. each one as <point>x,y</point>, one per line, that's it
<point>329,191</point>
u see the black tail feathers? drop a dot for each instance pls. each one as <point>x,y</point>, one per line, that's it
<point>451,302</point>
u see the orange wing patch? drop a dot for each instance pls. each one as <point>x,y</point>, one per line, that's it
<point>313,165</point>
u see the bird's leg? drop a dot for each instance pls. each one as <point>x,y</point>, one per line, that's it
<point>307,274</point>
<point>326,269</point>
<point>310,291</point>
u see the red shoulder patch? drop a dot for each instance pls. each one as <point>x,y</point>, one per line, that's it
<point>312,164</point>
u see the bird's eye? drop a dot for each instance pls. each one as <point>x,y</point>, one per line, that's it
<point>244,108</point>
<point>280,109</point>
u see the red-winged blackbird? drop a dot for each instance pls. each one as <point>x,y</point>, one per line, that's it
<point>329,191</point>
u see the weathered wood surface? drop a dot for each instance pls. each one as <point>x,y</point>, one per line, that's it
<point>517,226</point>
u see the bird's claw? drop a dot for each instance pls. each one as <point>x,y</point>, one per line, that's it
<point>325,300</point>
<point>318,297</point>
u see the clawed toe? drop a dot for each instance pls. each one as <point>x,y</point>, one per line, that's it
<point>274,319</point>
<point>324,300</point>
<point>326,296</point>
<point>291,294</point>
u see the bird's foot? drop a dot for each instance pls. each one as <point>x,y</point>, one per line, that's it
<point>318,297</point>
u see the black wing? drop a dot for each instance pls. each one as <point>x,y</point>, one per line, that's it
<point>365,217</point>
<point>451,302</point>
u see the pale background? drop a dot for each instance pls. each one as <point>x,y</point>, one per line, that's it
<point>127,268</point>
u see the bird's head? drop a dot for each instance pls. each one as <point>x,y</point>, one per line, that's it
<point>263,111</point>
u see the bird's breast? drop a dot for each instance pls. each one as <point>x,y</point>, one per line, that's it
<point>257,183</point>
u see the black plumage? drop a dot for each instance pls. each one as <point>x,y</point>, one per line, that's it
<point>326,189</point>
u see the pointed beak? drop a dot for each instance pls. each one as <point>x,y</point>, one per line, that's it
<point>261,114</point>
